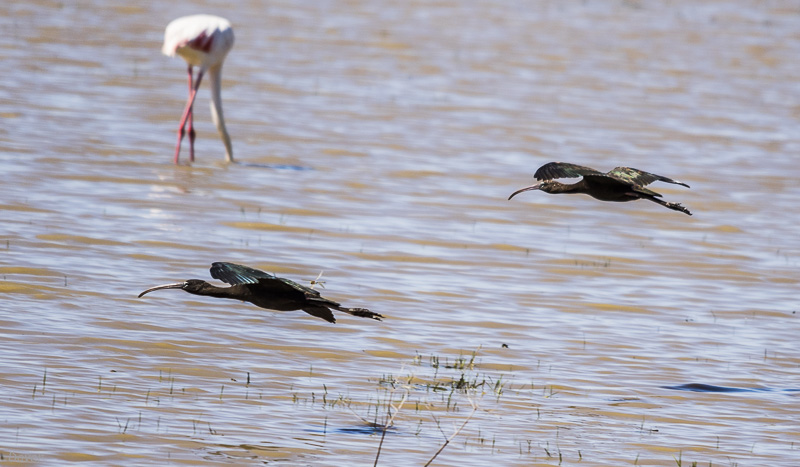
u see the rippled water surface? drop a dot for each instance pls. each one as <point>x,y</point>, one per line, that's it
<point>378,142</point>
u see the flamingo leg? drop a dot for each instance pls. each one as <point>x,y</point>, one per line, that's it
<point>187,117</point>
<point>190,120</point>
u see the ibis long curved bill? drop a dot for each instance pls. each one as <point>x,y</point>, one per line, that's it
<point>528,188</point>
<point>178,285</point>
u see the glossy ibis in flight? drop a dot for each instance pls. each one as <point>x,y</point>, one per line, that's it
<point>265,290</point>
<point>620,184</point>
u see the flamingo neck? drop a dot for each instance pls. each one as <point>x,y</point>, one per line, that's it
<point>215,80</point>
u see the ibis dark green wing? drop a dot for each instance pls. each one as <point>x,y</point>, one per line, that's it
<point>235,274</point>
<point>640,177</point>
<point>553,170</point>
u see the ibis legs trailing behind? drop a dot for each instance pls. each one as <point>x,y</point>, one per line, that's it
<point>266,291</point>
<point>619,185</point>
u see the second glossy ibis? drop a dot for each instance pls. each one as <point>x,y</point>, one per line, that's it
<point>266,291</point>
<point>620,184</point>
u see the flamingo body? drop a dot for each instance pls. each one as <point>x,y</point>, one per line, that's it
<point>202,41</point>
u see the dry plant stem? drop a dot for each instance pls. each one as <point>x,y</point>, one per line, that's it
<point>455,433</point>
<point>389,423</point>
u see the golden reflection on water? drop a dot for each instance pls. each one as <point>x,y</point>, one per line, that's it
<point>378,143</point>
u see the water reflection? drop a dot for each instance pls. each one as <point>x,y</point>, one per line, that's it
<point>273,166</point>
<point>700,387</point>
<point>379,142</point>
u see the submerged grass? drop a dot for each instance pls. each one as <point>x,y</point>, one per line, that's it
<point>426,396</point>
<point>453,382</point>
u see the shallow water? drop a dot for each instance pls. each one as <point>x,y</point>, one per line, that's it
<point>378,142</point>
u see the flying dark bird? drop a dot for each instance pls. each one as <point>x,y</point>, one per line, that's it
<point>265,290</point>
<point>620,184</point>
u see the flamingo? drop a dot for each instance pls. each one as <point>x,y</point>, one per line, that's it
<point>203,41</point>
